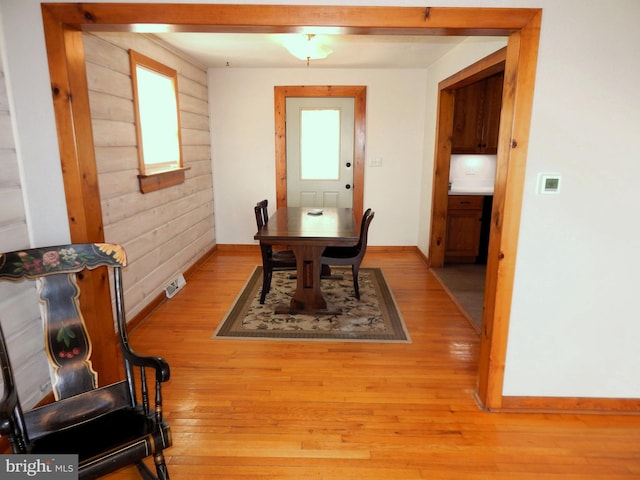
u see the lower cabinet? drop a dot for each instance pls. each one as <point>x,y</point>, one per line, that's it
<point>464,228</point>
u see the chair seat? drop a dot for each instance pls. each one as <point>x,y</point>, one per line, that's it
<point>126,430</point>
<point>283,256</point>
<point>350,255</point>
<point>340,252</point>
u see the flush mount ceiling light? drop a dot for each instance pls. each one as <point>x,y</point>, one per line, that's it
<point>307,47</point>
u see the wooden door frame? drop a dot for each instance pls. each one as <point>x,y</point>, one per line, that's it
<point>483,68</point>
<point>359,94</point>
<point>65,22</point>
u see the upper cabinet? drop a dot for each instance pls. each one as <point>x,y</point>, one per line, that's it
<point>476,119</point>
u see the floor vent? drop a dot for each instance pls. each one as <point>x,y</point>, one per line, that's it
<point>174,286</point>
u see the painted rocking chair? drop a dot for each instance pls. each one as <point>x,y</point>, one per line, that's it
<point>107,427</point>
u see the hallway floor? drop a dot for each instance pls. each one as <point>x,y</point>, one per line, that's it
<point>465,284</point>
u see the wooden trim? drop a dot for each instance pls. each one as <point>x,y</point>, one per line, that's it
<point>614,406</point>
<point>490,368</point>
<point>359,94</point>
<point>393,249</point>
<point>227,247</point>
<point>150,178</point>
<point>157,181</point>
<point>70,95</point>
<point>246,18</point>
<point>520,69</point>
<point>64,21</point>
<point>483,68</point>
<point>439,194</point>
<point>519,65</point>
<point>424,257</point>
<point>244,248</point>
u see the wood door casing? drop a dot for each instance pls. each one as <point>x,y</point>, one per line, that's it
<point>359,93</point>
<point>63,26</point>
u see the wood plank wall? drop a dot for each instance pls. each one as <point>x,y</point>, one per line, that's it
<point>163,232</point>
<point>19,308</point>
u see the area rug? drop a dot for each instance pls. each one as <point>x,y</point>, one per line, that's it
<point>373,318</point>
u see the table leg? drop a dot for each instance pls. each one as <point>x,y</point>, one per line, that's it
<point>308,295</point>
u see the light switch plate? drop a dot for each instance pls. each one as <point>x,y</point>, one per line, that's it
<point>375,162</point>
<point>549,183</point>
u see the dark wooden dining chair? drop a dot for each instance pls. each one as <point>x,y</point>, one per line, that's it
<point>272,259</point>
<point>351,255</point>
<point>107,426</point>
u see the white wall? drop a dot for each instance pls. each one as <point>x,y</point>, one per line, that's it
<point>574,322</point>
<point>574,328</point>
<point>243,147</point>
<point>19,313</point>
<point>36,135</point>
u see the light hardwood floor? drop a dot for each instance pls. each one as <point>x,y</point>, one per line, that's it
<point>252,409</point>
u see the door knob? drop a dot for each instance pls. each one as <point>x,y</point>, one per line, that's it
<point>347,186</point>
<point>348,164</point>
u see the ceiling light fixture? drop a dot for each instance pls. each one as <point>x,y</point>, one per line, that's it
<point>307,47</point>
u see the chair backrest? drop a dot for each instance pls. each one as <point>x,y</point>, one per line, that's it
<point>262,218</point>
<point>68,346</point>
<point>67,343</point>
<point>262,213</point>
<point>364,230</point>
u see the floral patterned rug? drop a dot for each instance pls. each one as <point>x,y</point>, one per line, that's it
<point>373,318</point>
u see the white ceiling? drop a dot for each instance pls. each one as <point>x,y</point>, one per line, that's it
<point>253,50</point>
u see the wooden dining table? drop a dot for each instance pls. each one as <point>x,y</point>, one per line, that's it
<point>308,231</point>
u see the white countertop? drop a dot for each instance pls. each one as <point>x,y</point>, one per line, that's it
<point>485,191</point>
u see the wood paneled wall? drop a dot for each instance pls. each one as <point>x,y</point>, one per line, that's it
<point>19,309</point>
<point>166,231</point>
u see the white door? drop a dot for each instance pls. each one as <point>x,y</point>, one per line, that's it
<point>320,149</point>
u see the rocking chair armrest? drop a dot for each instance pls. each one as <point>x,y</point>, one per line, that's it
<point>8,404</point>
<point>5,423</point>
<point>8,409</point>
<point>159,364</point>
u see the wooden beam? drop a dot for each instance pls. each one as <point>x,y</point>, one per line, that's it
<point>291,18</point>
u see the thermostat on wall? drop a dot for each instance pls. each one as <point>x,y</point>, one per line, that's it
<point>548,183</point>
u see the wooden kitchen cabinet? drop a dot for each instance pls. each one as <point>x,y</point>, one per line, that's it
<point>464,226</point>
<point>476,118</point>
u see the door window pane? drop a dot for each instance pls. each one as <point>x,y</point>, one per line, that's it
<point>320,144</point>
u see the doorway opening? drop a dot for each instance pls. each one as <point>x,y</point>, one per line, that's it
<point>461,260</point>
<point>63,26</point>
